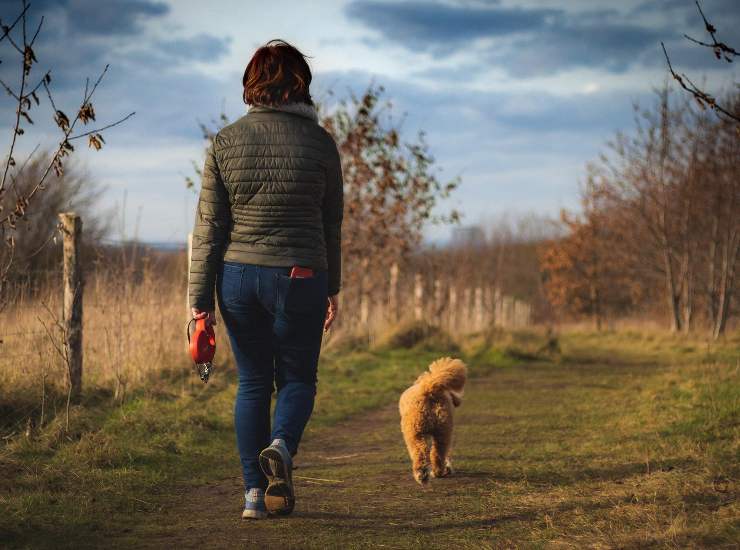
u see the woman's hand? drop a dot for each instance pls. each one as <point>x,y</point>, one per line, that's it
<point>331,311</point>
<point>209,316</point>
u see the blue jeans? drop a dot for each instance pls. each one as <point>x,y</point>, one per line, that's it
<point>275,325</point>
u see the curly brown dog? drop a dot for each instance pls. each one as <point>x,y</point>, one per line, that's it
<point>426,417</point>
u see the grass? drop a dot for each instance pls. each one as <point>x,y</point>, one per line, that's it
<point>117,461</point>
<point>615,440</point>
<point>134,328</point>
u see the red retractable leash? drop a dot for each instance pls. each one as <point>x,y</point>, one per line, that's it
<point>202,346</point>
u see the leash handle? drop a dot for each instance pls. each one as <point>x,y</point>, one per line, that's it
<point>202,347</point>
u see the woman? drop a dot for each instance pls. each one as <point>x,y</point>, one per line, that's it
<point>267,238</point>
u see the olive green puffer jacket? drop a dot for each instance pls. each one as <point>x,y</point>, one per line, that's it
<point>271,195</point>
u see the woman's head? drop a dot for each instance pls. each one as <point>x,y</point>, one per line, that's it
<point>277,73</point>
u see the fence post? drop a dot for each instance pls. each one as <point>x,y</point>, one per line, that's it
<point>393,294</point>
<point>71,228</point>
<point>467,309</point>
<point>364,298</point>
<point>452,310</point>
<point>478,308</point>
<point>488,306</point>
<point>418,297</point>
<point>438,302</point>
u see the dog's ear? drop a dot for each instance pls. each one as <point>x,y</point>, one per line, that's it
<point>456,398</point>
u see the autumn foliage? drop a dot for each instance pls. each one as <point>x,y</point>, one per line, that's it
<point>660,231</point>
<point>584,274</point>
<point>390,186</point>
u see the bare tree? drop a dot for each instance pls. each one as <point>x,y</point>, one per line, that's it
<point>25,95</point>
<point>720,188</point>
<point>36,246</point>
<point>644,184</point>
<point>662,209</point>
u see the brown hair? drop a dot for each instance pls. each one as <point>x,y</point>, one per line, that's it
<point>277,73</point>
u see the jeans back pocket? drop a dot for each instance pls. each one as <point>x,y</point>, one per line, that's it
<point>303,296</point>
<point>229,283</point>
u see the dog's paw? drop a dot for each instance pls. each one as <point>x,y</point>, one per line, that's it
<point>422,476</point>
<point>444,472</point>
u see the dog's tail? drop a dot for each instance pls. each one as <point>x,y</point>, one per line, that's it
<point>445,374</point>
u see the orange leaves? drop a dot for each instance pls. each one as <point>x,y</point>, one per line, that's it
<point>390,187</point>
<point>29,58</point>
<point>62,121</point>
<point>584,275</point>
<point>87,113</point>
<point>96,141</point>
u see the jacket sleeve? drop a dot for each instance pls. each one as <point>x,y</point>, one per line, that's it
<point>211,231</point>
<point>333,210</point>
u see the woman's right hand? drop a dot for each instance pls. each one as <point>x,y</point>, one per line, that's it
<point>209,316</point>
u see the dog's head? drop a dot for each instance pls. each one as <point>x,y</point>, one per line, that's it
<point>452,373</point>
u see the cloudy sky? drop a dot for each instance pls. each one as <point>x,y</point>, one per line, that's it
<point>514,96</point>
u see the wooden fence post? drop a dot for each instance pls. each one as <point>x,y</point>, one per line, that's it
<point>452,310</point>
<point>488,307</point>
<point>438,303</point>
<point>71,227</point>
<point>393,294</point>
<point>478,308</point>
<point>418,297</point>
<point>364,298</point>
<point>467,309</point>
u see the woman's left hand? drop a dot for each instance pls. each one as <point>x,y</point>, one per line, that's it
<point>331,311</point>
<point>209,316</point>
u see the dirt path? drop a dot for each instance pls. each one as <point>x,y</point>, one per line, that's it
<point>371,496</point>
<point>544,455</point>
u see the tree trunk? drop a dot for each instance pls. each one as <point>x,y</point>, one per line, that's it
<point>730,252</point>
<point>673,297</point>
<point>711,271</point>
<point>687,305</point>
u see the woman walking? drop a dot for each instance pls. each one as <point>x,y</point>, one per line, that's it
<point>267,239</point>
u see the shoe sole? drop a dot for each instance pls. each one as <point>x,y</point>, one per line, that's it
<point>253,514</point>
<point>279,495</point>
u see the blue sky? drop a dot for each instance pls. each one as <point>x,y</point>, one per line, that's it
<point>514,96</point>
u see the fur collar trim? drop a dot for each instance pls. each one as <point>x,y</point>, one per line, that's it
<point>302,109</point>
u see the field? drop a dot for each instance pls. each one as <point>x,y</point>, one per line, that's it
<point>615,440</point>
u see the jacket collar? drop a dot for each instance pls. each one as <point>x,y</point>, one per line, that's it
<point>301,109</point>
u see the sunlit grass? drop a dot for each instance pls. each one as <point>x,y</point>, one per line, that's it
<point>596,440</point>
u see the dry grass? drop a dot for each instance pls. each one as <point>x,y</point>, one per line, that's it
<point>620,440</point>
<point>134,332</point>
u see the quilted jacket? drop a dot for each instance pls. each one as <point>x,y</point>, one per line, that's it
<point>271,195</point>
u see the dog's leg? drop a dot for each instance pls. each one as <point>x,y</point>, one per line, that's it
<point>419,453</point>
<point>441,446</point>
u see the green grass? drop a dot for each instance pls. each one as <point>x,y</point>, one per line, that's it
<point>120,461</point>
<point>617,439</point>
<point>648,347</point>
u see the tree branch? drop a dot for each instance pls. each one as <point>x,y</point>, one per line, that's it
<point>97,130</point>
<point>64,146</point>
<point>6,30</point>
<point>703,98</point>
